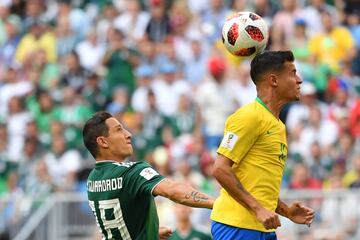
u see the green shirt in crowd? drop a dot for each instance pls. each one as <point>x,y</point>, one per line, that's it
<point>192,235</point>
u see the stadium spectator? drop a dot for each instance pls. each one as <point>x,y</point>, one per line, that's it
<point>301,178</point>
<point>120,102</point>
<point>185,230</point>
<point>66,40</point>
<point>16,121</point>
<point>12,85</point>
<point>352,177</point>
<point>13,27</point>
<point>49,72</point>
<point>329,47</point>
<point>168,88</point>
<point>90,51</point>
<point>186,120</point>
<point>132,22</point>
<point>105,22</point>
<point>158,27</point>
<point>312,15</point>
<point>62,164</point>
<point>93,92</point>
<point>73,75</point>
<point>216,100</point>
<point>195,66</point>
<point>213,18</point>
<point>300,111</point>
<point>72,113</point>
<point>154,123</point>
<point>144,77</point>
<point>120,62</point>
<point>283,24</point>
<point>38,37</point>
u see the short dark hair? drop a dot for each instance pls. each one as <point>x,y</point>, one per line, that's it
<point>93,128</point>
<point>269,61</point>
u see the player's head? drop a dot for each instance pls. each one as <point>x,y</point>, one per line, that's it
<point>276,70</point>
<point>105,137</point>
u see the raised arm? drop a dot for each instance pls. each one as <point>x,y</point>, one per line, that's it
<point>224,174</point>
<point>183,194</point>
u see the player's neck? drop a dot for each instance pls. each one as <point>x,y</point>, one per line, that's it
<point>272,103</point>
<point>106,157</point>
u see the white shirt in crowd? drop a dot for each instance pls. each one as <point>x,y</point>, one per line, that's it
<point>130,26</point>
<point>90,55</point>
<point>216,103</point>
<point>60,166</point>
<point>167,95</point>
<point>16,126</point>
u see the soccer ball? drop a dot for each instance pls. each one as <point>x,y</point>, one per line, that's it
<point>245,34</point>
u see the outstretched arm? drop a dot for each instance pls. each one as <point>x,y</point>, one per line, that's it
<point>183,194</point>
<point>223,173</point>
<point>297,212</point>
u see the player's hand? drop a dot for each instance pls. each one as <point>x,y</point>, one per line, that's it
<point>269,219</point>
<point>300,214</point>
<point>164,233</point>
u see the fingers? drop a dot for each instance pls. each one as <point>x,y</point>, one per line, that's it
<point>300,205</point>
<point>164,232</point>
<point>272,222</point>
<point>309,218</point>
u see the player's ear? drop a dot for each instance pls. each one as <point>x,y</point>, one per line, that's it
<point>102,142</point>
<point>273,79</point>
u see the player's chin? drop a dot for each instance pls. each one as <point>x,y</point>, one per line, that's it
<point>130,151</point>
<point>296,97</point>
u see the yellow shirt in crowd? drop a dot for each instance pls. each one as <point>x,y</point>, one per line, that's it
<point>255,140</point>
<point>30,44</point>
<point>333,47</point>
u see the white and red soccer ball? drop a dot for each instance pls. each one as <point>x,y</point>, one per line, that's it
<point>245,34</point>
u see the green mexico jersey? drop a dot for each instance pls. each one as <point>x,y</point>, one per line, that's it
<point>120,196</point>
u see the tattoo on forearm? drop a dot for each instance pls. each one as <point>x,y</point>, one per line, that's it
<point>240,186</point>
<point>196,196</point>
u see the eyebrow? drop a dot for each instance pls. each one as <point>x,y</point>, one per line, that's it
<point>117,126</point>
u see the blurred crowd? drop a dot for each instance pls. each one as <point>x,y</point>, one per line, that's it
<point>160,67</point>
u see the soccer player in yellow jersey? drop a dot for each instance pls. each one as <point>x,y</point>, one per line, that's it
<point>252,155</point>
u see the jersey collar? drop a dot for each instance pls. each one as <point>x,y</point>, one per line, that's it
<point>105,161</point>
<point>262,103</point>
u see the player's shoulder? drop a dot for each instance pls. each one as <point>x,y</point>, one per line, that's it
<point>249,112</point>
<point>129,165</point>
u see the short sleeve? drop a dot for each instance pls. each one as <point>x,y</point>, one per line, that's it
<point>241,132</point>
<point>144,178</point>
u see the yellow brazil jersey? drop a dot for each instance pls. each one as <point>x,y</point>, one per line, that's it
<point>255,140</point>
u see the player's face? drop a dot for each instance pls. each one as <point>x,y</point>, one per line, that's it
<point>119,139</point>
<point>289,83</point>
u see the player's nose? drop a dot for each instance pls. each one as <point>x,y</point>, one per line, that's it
<point>128,134</point>
<point>299,80</point>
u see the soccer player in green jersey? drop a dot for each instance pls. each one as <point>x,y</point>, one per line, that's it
<point>121,193</point>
